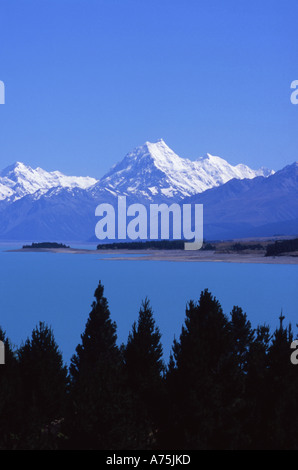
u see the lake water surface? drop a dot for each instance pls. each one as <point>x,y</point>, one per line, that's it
<point>58,289</point>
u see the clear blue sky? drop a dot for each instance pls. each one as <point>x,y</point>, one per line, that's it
<point>88,80</point>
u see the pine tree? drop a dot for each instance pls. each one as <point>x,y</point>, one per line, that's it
<point>44,381</point>
<point>144,369</point>
<point>282,391</point>
<point>99,403</point>
<point>204,380</point>
<point>242,335</point>
<point>10,393</point>
<point>256,414</point>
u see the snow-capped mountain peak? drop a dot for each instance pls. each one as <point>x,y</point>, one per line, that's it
<point>41,205</point>
<point>150,172</point>
<point>225,171</point>
<point>19,180</point>
<point>155,171</point>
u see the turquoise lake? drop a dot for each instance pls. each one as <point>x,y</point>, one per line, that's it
<point>58,289</point>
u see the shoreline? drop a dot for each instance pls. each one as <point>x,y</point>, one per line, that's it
<point>170,255</point>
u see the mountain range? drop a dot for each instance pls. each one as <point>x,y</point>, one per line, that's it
<point>18,180</point>
<point>259,207</point>
<point>238,201</point>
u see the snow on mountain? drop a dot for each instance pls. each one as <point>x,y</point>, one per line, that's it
<point>5,191</point>
<point>150,172</point>
<point>222,171</point>
<point>155,172</point>
<point>19,180</point>
<point>38,205</point>
<point>252,207</point>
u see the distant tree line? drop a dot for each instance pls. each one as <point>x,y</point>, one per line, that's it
<point>143,245</point>
<point>46,245</point>
<point>247,246</point>
<point>150,244</point>
<point>226,385</point>
<point>282,246</point>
